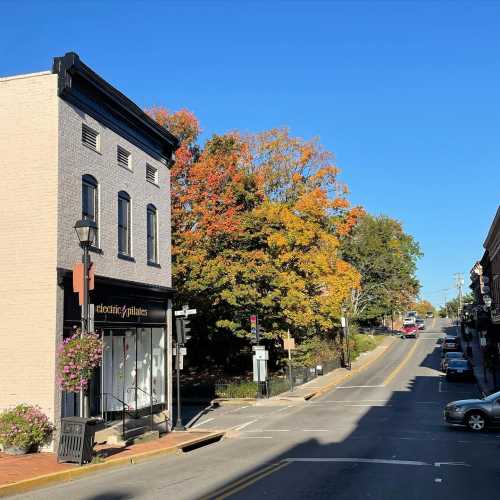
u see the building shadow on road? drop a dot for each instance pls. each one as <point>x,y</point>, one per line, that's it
<point>394,447</point>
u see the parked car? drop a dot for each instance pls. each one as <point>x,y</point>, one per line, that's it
<point>450,344</point>
<point>420,323</point>
<point>476,414</point>
<point>448,356</point>
<point>459,369</point>
<point>408,321</point>
<point>409,331</point>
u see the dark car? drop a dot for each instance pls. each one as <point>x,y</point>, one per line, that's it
<point>459,369</point>
<point>448,356</point>
<point>476,414</point>
<point>451,344</point>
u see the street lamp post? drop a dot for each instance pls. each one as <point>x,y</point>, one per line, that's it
<point>86,230</point>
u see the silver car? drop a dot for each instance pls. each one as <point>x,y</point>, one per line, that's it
<point>476,414</point>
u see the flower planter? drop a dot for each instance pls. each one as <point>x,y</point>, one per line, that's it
<point>16,450</point>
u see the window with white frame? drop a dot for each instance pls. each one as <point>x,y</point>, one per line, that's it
<point>152,234</point>
<point>124,224</point>
<point>90,202</point>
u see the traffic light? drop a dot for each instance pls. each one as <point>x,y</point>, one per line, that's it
<point>185,330</point>
<point>182,329</point>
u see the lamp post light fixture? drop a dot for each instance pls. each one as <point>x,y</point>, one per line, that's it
<point>86,230</point>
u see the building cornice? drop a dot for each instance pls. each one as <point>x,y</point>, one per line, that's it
<point>67,274</point>
<point>85,89</point>
<point>493,232</point>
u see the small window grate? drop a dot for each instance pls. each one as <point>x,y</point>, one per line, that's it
<point>123,157</point>
<point>90,137</point>
<point>151,174</point>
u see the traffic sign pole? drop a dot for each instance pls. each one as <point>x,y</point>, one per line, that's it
<point>181,327</point>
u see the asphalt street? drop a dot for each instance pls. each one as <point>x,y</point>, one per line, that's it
<point>378,436</point>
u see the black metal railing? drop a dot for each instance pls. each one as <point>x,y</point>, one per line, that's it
<point>276,384</point>
<point>125,410</point>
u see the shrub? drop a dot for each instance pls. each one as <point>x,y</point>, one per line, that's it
<point>24,426</point>
<point>77,357</point>
<point>237,389</point>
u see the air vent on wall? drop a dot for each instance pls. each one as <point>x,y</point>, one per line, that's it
<point>151,174</point>
<point>123,157</point>
<point>90,137</point>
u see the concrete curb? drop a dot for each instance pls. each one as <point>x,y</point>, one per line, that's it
<point>355,371</point>
<point>314,392</point>
<point>77,472</point>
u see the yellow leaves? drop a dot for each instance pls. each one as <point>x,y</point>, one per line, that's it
<point>339,203</point>
<point>277,240</point>
<point>307,152</point>
<point>313,203</point>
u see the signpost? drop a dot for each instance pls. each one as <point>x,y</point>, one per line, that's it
<point>182,330</point>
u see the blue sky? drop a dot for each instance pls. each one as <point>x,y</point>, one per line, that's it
<point>407,94</point>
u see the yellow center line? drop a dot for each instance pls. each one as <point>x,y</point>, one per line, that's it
<point>398,368</point>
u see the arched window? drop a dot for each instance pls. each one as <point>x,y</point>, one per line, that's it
<point>152,239</point>
<point>90,201</point>
<point>124,224</point>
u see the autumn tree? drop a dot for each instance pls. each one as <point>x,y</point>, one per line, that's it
<point>257,221</point>
<point>423,307</point>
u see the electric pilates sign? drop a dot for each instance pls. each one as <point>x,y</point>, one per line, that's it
<point>123,311</point>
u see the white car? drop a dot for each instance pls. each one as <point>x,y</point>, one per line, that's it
<point>408,321</point>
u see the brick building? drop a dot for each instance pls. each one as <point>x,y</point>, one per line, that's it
<point>73,146</point>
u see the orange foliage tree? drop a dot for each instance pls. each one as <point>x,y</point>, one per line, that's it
<point>256,225</point>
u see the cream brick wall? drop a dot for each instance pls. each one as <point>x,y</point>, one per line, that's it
<point>28,240</point>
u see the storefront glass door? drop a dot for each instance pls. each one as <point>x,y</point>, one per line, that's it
<point>132,369</point>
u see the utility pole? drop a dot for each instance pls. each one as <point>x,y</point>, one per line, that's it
<point>459,283</point>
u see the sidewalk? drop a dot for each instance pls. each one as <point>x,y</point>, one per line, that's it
<point>483,376</point>
<point>324,383</point>
<point>26,472</point>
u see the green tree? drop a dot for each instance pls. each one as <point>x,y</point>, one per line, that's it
<point>451,307</point>
<point>386,258</point>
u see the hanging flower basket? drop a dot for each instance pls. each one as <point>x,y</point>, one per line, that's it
<point>77,357</point>
<point>24,428</point>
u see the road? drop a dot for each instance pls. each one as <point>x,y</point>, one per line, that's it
<point>379,436</point>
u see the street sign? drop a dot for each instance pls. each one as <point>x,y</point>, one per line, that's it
<point>185,312</point>
<point>259,370</point>
<point>289,344</point>
<point>258,348</point>
<point>262,354</point>
<point>342,322</point>
<point>179,362</point>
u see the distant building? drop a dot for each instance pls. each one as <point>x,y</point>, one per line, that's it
<point>73,146</point>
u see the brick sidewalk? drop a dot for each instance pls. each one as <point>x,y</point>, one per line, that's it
<point>15,470</point>
<point>484,377</point>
